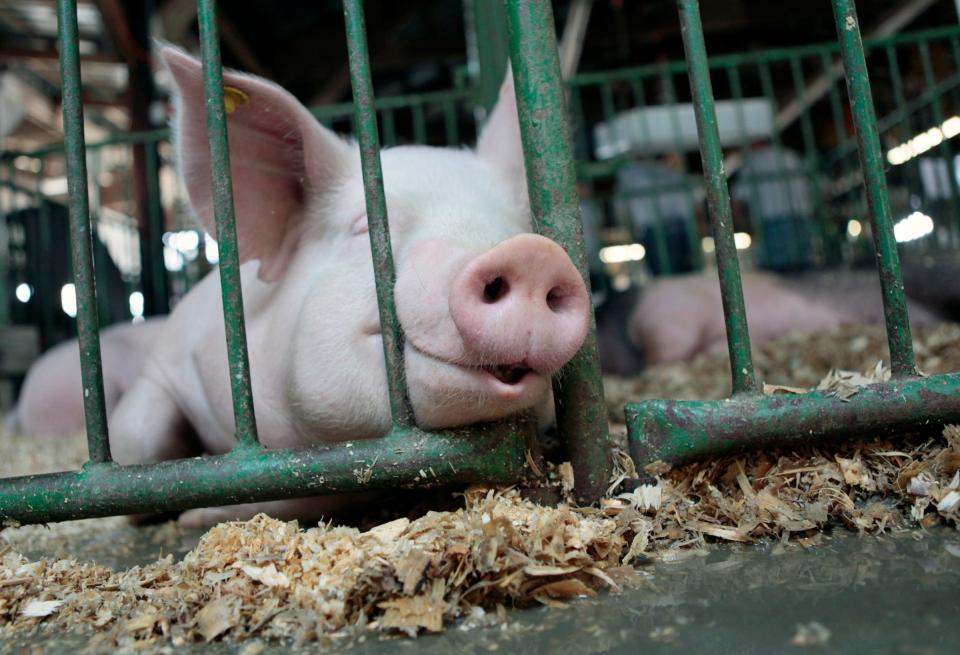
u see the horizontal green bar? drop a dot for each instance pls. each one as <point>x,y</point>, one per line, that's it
<point>891,120</point>
<point>119,139</point>
<point>405,458</point>
<point>345,109</point>
<point>753,58</point>
<point>677,431</point>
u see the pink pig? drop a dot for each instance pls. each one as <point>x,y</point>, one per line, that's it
<point>489,311</point>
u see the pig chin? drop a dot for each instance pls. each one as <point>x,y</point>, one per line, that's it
<point>446,395</point>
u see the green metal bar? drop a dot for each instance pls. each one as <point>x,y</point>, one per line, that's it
<point>489,37</point>
<point>582,145</point>
<point>809,143</point>
<point>736,90</point>
<point>419,125</point>
<point>113,140</point>
<point>755,58</point>
<point>159,288</point>
<point>492,452</point>
<point>944,147</point>
<point>7,176</point>
<point>389,128</point>
<point>450,128</point>
<point>836,105</point>
<point>45,289</point>
<point>666,77</point>
<point>677,431</point>
<point>551,181</point>
<point>81,241</point>
<point>366,121</point>
<point>872,164</point>
<point>718,200</point>
<point>232,294</point>
<point>806,124</point>
<point>659,235</point>
<point>911,172</point>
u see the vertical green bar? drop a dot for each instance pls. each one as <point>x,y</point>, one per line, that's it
<point>236,331</point>
<point>756,222</point>
<point>718,199</point>
<point>946,152</point>
<point>44,283</point>
<point>490,38</point>
<point>159,291</point>
<point>389,128</point>
<point>366,121</point>
<point>872,162</point>
<point>81,240</point>
<point>551,180</point>
<point>450,128</point>
<point>6,191</point>
<point>419,124</point>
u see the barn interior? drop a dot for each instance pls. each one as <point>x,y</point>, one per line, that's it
<point>774,549</point>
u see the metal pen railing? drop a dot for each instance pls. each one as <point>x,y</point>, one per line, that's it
<point>678,430</point>
<point>663,429</point>
<point>492,452</point>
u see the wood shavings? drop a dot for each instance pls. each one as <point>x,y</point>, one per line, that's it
<point>38,608</point>
<point>271,579</point>
<point>811,634</point>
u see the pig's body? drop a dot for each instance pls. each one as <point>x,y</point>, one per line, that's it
<point>680,318</point>
<point>51,401</point>
<point>489,312</point>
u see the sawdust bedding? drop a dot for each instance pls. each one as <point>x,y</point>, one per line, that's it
<point>272,579</point>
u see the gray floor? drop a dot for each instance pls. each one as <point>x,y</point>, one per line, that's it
<point>891,594</point>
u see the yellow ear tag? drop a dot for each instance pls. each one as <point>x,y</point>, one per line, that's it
<point>234,98</point>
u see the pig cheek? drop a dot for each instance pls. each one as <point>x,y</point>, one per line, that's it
<point>337,383</point>
<point>422,296</point>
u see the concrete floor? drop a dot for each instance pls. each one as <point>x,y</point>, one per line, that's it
<point>891,594</point>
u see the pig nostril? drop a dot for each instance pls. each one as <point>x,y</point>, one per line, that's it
<point>495,290</point>
<point>556,300</point>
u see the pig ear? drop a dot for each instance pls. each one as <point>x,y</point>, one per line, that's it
<point>279,157</point>
<point>499,141</point>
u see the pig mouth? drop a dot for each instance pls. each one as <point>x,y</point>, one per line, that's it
<point>508,373</point>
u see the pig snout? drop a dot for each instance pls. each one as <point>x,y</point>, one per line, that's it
<point>522,302</point>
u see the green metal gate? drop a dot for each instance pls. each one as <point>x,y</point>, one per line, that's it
<point>408,456</point>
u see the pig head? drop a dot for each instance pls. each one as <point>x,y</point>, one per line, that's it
<point>488,310</point>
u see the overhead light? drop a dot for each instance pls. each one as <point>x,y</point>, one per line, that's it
<point>924,141</point>
<point>172,259</point>
<point>211,250</point>
<point>68,300</point>
<point>24,292</point>
<point>914,226</point>
<point>136,304</point>
<point>54,186</point>
<point>854,228</point>
<point>632,252</point>
<point>741,240</point>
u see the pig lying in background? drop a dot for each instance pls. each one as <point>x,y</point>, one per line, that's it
<point>489,311</point>
<point>51,399</point>
<point>680,318</point>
